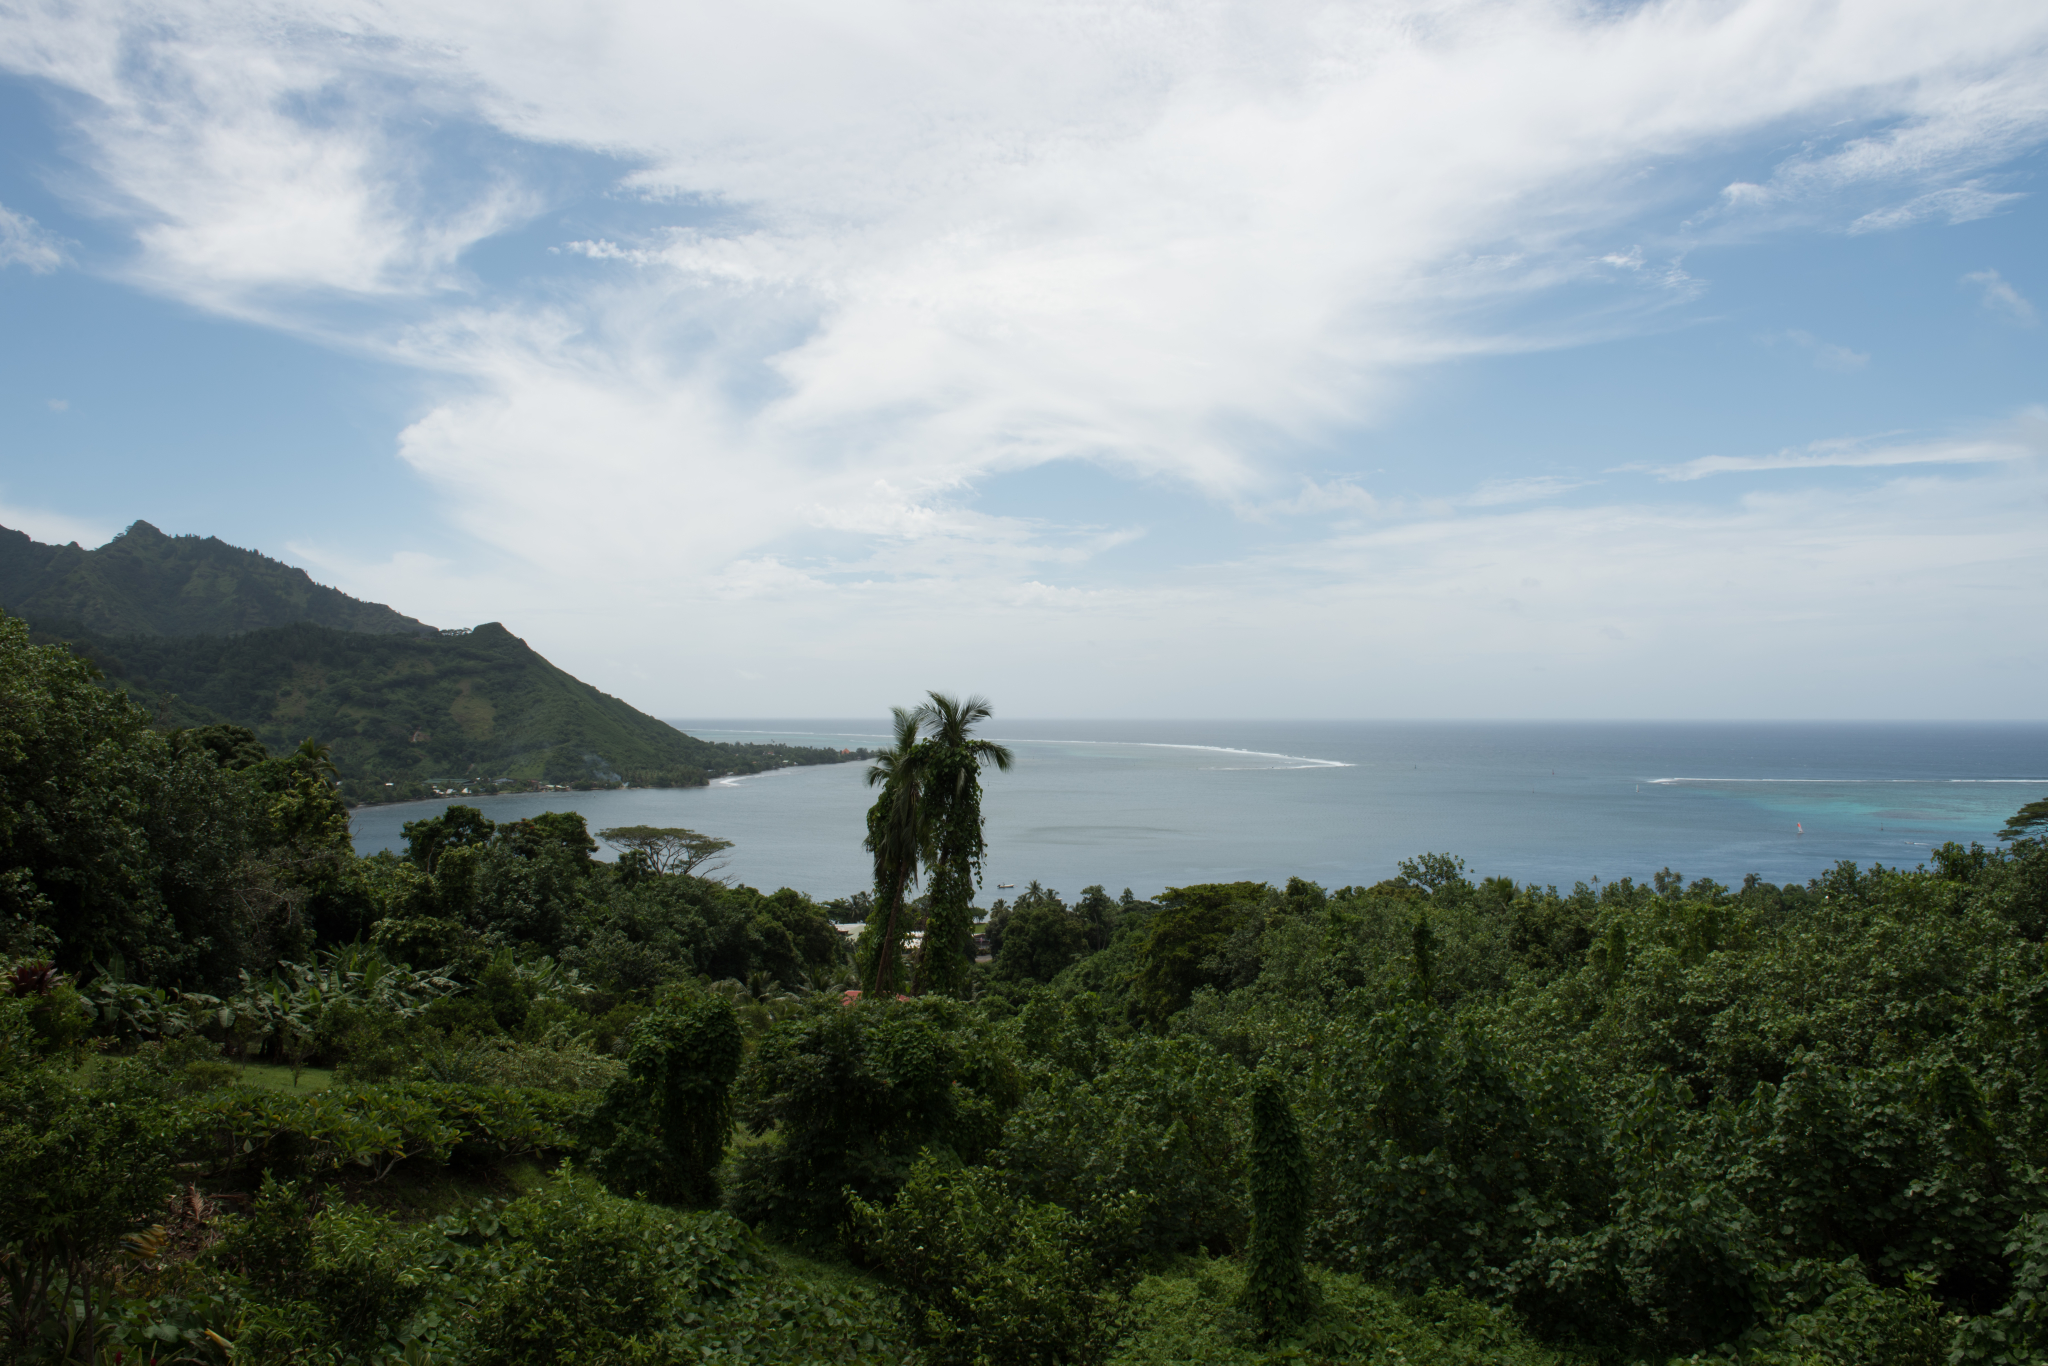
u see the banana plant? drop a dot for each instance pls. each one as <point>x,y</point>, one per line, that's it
<point>283,1010</point>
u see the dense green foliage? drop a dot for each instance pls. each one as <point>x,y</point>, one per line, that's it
<point>2029,818</point>
<point>563,1274</point>
<point>185,860</point>
<point>1189,1315</point>
<point>78,1159</point>
<point>1432,1120</point>
<point>988,1275</point>
<point>119,841</point>
<point>144,583</point>
<point>844,1099</point>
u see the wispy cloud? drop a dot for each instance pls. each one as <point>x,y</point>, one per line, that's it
<point>1956,204</point>
<point>1568,610</point>
<point>847,262</point>
<point>2000,297</point>
<point>1323,497</point>
<point>1503,492</point>
<point>1829,355</point>
<point>2027,438</point>
<point>23,242</point>
<point>1156,237</point>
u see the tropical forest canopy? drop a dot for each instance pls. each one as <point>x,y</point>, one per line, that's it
<point>496,1100</point>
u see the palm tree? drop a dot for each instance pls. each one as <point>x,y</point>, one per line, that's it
<point>315,758</point>
<point>954,758</point>
<point>896,837</point>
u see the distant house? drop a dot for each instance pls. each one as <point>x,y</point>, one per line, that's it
<point>852,928</point>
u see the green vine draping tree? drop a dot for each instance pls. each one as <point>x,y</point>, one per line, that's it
<point>1277,1290</point>
<point>952,762</point>
<point>896,837</point>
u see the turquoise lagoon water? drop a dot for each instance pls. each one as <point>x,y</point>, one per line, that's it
<point>1151,804</point>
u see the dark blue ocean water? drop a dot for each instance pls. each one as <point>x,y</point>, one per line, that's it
<point>1151,804</point>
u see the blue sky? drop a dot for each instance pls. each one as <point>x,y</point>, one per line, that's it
<point>1411,359</point>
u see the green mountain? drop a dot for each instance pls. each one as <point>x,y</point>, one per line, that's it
<point>144,583</point>
<point>449,710</point>
<point>203,633</point>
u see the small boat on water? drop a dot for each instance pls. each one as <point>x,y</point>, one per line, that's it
<point>1004,886</point>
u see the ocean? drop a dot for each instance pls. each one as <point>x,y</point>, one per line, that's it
<point>1153,804</point>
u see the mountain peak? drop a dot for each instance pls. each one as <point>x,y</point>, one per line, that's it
<point>147,583</point>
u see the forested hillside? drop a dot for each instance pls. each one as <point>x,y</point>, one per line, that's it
<point>496,1101</point>
<point>414,711</point>
<point>144,583</point>
<point>202,633</point>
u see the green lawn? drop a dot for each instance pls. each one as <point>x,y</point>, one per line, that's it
<point>270,1076</point>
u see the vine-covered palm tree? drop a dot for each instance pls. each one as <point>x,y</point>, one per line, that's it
<point>951,772</point>
<point>896,837</point>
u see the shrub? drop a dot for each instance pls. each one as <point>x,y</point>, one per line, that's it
<point>325,1283</point>
<point>587,1273</point>
<point>1165,1117</point>
<point>987,1277</point>
<point>377,1127</point>
<point>1828,1312</point>
<point>560,1060</point>
<point>1190,1316</point>
<point>1039,942</point>
<point>82,1163</point>
<point>661,1129</point>
<point>847,1097</point>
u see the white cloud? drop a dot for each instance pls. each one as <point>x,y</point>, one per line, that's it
<point>1956,204</point>
<point>902,249</point>
<point>54,528</point>
<point>2000,297</point>
<point>23,242</point>
<point>1535,489</point>
<point>1156,236</point>
<point>1944,132</point>
<point>1783,604</point>
<point>1338,495</point>
<point>263,150</point>
<point>433,588</point>
<point>2025,439</point>
<point>1829,355</point>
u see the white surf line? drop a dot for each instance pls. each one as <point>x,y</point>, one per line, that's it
<point>805,734</point>
<point>735,779</point>
<point>1854,782</point>
<point>1294,760</point>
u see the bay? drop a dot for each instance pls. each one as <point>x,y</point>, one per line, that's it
<point>1151,804</point>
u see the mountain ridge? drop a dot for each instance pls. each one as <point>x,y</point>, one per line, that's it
<point>405,710</point>
<point>144,582</point>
